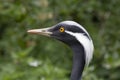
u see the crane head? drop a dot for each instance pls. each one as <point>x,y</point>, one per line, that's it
<point>71,33</point>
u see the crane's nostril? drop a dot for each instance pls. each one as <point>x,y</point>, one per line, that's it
<point>43,30</point>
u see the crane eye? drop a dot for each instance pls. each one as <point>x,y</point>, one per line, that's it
<point>62,29</point>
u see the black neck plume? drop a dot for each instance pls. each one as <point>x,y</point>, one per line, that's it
<point>78,62</point>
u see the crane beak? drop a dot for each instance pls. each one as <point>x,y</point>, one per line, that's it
<point>44,31</point>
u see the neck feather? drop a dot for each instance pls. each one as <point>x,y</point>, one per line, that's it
<point>78,62</point>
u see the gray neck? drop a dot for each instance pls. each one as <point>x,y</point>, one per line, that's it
<point>78,62</point>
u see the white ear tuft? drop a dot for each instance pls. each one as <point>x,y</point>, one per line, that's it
<point>86,43</point>
<point>84,40</point>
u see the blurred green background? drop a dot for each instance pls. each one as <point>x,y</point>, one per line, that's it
<point>33,57</point>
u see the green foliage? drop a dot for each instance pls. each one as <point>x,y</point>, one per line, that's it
<point>19,51</point>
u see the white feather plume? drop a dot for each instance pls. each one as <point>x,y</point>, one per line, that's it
<point>84,40</point>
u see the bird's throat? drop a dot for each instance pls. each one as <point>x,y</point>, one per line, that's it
<point>78,62</point>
